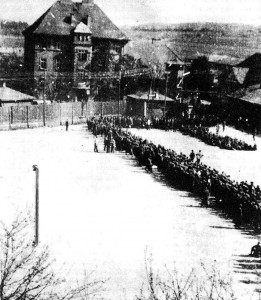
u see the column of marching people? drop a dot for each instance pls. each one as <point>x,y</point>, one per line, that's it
<point>197,127</point>
<point>239,200</point>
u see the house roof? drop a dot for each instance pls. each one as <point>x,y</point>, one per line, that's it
<point>223,59</point>
<point>57,21</point>
<point>252,62</point>
<point>251,94</point>
<point>10,95</point>
<point>145,97</point>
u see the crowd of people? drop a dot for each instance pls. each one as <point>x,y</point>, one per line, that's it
<point>197,127</point>
<point>223,142</point>
<point>240,201</point>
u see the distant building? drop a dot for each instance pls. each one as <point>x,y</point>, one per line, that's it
<point>250,68</point>
<point>245,107</point>
<point>10,97</point>
<point>144,104</point>
<point>70,41</point>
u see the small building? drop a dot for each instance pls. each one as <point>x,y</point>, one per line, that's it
<point>143,104</point>
<point>245,107</point>
<point>10,97</point>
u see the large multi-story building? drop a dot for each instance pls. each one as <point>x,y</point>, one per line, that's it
<point>71,41</point>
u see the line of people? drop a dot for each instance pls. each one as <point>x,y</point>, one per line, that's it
<point>240,201</point>
<point>223,142</point>
<point>196,127</point>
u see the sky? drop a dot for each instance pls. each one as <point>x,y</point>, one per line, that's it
<point>135,12</point>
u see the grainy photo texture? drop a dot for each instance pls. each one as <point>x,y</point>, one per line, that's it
<point>130,150</point>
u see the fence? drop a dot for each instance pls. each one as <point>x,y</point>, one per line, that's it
<point>108,108</point>
<point>55,114</point>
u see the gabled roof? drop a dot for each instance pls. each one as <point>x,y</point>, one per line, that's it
<point>57,21</point>
<point>10,95</point>
<point>252,62</point>
<point>82,28</point>
<point>251,94</point>
<point>144,97</point>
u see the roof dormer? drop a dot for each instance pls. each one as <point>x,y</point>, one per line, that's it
<point>82,28</point>
<point>82,34</point>
<point>87,2</point>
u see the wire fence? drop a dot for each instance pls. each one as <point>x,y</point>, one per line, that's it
<point>55,114</point>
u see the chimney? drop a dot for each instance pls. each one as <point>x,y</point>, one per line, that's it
<point>73,20</point>
<point>65,1</point>
<point>87,20</point>
<point>87,2</point>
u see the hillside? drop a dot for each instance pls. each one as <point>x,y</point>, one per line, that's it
<point>228,43</point>
<point>11,38</point>
<point>12,27</point>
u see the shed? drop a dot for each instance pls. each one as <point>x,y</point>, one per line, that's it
<point>142,103</point>
<point>10,97</point>
<point>246,106</point>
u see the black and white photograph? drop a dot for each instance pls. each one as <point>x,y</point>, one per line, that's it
<point>130,150</point>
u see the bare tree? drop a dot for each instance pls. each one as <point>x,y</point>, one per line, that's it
<point>27,272</point>
<point>204,283</point>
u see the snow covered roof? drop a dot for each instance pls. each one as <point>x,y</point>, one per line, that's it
<point>240,74</point>
<point>10,95</point>
<point>251,94</point>
<point>82,28</point>
<point>146,97</point>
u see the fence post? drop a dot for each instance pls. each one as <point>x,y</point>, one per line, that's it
<point>60,108</point>
<point>9,118</point>
<point>72,112</point>
<point>27,116</point>
<point>12,115</point>
<point>44,113</point>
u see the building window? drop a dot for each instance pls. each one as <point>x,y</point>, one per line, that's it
<point>81,74</point>
<point>57,45</point>
<point>83,55</point>
<point>116,48</point>
<point>83,37</point>
<point>41,44</point>
<point>43,63</point>
<point>57,64</point>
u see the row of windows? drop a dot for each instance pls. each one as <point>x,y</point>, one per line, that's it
<point>43,64</point>
<point>82,37</point>
<point>82,56</point>
<point>50,44</point>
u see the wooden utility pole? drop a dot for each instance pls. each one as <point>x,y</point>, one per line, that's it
<point>119,98</point>
<point>166,91</point>
<point>44,98</point>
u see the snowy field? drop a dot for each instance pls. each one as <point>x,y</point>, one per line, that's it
<point>101,211</point>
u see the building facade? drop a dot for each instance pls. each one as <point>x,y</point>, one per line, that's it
<point>70,42</point>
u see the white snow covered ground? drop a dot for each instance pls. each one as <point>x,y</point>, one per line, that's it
<point>101,211</point>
